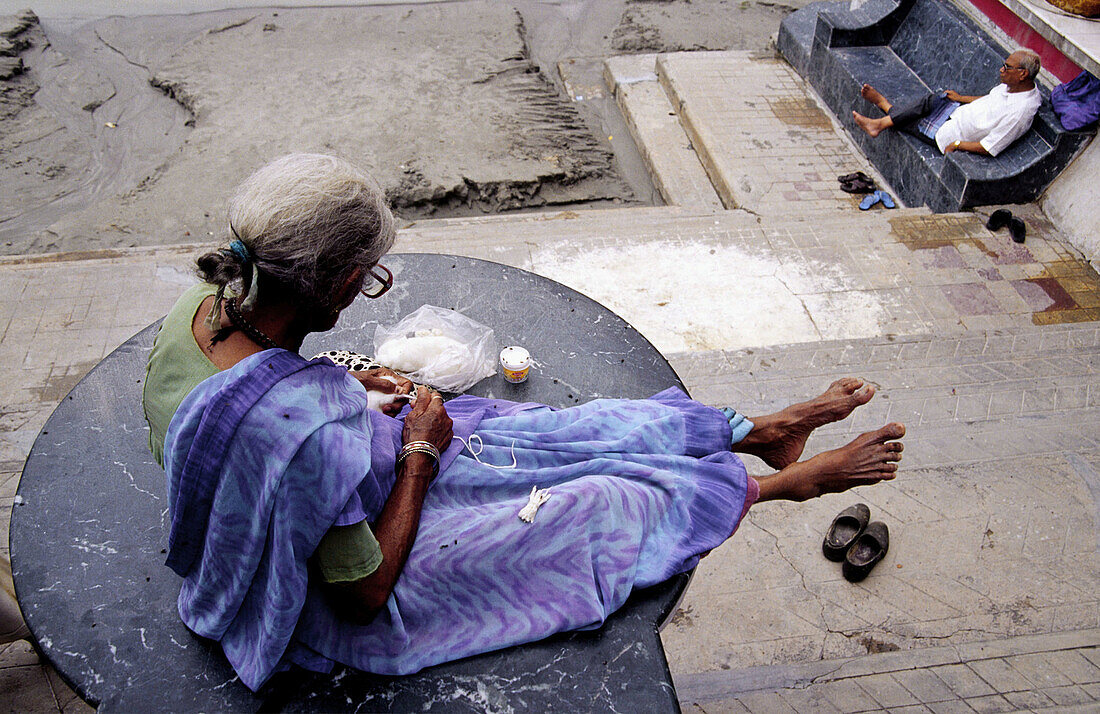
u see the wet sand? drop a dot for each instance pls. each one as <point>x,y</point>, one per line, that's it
<point>131,130</point>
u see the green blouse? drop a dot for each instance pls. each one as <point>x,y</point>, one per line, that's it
<point>176,366</point>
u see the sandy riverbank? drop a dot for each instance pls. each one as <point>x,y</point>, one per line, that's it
<point>130,130</point>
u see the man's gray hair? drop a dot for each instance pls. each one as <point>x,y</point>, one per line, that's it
<point>308,221</point>
<point>1029,60</point>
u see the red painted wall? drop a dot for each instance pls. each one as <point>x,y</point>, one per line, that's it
<point>1053,60</point>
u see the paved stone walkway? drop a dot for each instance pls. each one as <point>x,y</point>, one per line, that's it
<point>766,144</point>
<point>1058,672</point>
<point>994,520</point>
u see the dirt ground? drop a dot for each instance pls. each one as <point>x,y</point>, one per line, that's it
<point>129,130</point>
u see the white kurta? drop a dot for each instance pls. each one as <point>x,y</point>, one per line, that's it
<point>995,120</point>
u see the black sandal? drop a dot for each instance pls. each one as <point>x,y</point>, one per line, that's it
<point>998,219</point>
<point>869,548</point>
<point>846,527</point>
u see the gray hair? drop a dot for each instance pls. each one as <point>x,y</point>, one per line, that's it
<point>1029,60</point>
<point>307,221</point>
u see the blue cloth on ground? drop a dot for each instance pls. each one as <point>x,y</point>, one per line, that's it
<point>1077,102</point>
<point>640,489</point>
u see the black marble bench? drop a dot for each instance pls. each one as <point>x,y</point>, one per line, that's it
<point>88,540</point>
<point>906,48</point>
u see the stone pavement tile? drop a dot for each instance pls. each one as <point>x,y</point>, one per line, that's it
<point>721,706</point>
<point>766,703</point>
<point>886,690</point>
<point>925,685</point>
<point>1029,700</point>
<point>809,701</point>
<point>1072,665</point>
<point>1091,654</point>
<point>67,700</point>
<point>1073,694</point>
<point>953,706</point>
<point>1001,675</point>
<point>990,704</point>
<point>846,695</point>
<point>25,690</point>
<point>1078,616</point>
<point>1093,690</point>
<point>912,709</point>
<point>18,654</point>
<point>962,680</point>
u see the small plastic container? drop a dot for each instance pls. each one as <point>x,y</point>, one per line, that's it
<point>516,363</point>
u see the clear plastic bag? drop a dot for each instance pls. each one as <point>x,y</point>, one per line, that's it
<point>438,347</point>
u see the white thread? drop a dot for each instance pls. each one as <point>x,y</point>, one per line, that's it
<point>481,447</point>
<point>536,499</point>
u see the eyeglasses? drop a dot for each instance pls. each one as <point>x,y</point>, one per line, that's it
<point>1006,66</point>
<point>382,282</point>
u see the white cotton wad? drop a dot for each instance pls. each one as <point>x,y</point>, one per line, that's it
<point>376,400</point>
<point>536,499</point>
<point>439,347</point>
<point>423,348</point>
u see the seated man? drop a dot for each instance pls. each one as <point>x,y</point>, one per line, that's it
<point>955,122</point>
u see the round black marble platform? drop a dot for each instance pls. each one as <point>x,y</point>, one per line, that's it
<point>89,531</point>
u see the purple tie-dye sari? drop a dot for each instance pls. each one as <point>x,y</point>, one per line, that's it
<point>263,458</point>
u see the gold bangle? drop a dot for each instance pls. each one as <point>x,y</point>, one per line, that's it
<point>958,143</point>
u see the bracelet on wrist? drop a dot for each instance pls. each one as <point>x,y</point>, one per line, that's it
<point>419,447</point>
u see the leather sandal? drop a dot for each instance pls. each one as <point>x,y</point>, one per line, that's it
<point>857,185</point>
<point>868,549</point>
<point>846,527</point>
<point>998,219</point>
<point>853,176</point>
<point>1017,229</point>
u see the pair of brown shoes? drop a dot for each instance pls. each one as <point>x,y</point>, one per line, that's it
<point>857,182</point>
<point>861,545</point>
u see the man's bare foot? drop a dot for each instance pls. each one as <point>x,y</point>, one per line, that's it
<point>780,438</point>
<point>875,97</point>
<point>872,127</point>
<point>868,459</point>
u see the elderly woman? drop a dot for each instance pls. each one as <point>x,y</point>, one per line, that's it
<point>309,529</point>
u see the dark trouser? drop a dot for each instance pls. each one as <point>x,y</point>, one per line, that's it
<point>906,118</point>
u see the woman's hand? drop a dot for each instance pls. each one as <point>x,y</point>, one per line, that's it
<point>375,380</point>
<point>428,420</point>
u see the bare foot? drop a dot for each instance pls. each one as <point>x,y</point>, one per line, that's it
<point>875,97</point>
<point>780,438</point>
<point>868,459</point>
<point>872,127</point>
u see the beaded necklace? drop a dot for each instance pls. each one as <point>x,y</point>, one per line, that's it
<point>247,327</point>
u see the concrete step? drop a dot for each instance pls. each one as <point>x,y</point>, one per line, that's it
<point>764,140</point>
<point>944,679</point>
<point>695,280</point>
<point>672,162</point>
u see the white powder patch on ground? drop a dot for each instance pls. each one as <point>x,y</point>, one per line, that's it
<point>694,295</point>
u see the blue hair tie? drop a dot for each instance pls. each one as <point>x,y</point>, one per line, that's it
<point>239,249</point>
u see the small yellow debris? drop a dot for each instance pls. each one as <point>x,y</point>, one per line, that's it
<point>110,125</point>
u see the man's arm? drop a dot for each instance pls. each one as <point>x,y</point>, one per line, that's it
<point>974,147</point>
<point>960,98</point>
